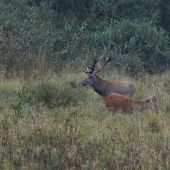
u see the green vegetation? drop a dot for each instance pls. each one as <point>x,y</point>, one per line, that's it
<point>80,134</point>
<point>50,35</point>
<point>47,119</point>
<point>51,95</point>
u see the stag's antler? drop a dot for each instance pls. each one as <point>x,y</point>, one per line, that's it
<point>107,61</point>
<point>91,69</point>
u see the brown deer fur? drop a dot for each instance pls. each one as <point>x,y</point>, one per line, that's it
<point>105,87</point>
<point>126,104</point>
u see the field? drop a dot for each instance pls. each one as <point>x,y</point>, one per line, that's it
<point>48,119</point>
<point>55,123</point>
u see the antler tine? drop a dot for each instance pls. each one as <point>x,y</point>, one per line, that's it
<point>94,64</point>
<point>107,61</point>
<point>91,67</point>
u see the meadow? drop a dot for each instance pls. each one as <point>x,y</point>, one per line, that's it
<point>48,120</point>
<point>53,122</point>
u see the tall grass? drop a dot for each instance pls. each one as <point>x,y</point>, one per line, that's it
<point>82,134</point>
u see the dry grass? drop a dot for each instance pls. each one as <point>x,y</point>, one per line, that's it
<point>84,135</point>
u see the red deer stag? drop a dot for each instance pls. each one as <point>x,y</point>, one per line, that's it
<point>126,104</point>
<point>105,87</point>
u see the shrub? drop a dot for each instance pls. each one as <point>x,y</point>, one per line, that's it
<point>53,96</point>
<point>102,9</point>
<point>165,14</point>
<point>55,33</point>
<point>49,94</point>
<point>133,66</point>
<point>138,45</point>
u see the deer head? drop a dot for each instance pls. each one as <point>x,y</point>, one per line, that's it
<point>91,73</point>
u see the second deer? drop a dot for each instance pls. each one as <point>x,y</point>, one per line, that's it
<point>118,102</point>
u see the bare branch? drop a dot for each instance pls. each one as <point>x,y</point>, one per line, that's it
<point>91,69</point>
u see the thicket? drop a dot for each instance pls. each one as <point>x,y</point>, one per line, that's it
<point>38,35</point>
<point>49,95</point>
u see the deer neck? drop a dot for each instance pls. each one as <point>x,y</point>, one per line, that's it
<point>98,85</point>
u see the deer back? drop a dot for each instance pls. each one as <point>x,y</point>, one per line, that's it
<point>121,87</point>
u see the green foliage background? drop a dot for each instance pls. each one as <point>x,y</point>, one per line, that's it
<point>52,122</point>
<point>37,35</point>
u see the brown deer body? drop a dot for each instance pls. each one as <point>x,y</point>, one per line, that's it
<point>126,104</point>
<point>105,87</point>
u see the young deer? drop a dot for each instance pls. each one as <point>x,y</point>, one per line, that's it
<point>126,104</point>
<point>105,87</point>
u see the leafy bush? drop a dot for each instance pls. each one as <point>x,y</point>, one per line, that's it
<point>102,9</point>
<point>49,94</point>
<point>52,96</point>
<point>44,35</point>
<point>140,43</point>
<point>145,42</point>
<point>165,14</point>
